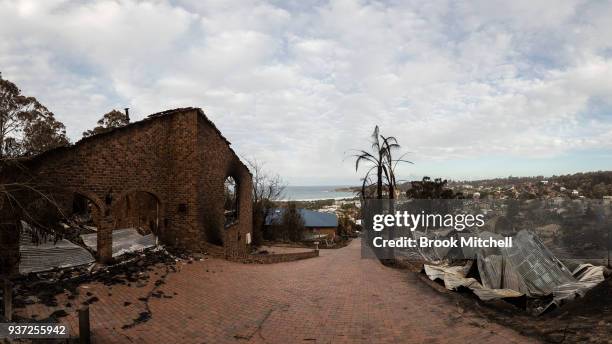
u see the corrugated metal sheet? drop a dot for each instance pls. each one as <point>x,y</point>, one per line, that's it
<point>48,255</point>
<point>511,279</point>
<point>526,268</point>
<point>539,269</point>
<point>588,276</point>
<point>490,269</point>
<point>455,277</point>
<point>124,241</point>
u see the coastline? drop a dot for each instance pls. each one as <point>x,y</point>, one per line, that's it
<point>318,199</point>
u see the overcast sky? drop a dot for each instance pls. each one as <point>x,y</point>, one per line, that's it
<point>473,89</point>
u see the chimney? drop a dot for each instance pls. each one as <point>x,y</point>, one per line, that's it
<point>127,114</point>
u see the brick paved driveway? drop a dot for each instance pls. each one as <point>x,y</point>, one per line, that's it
<point>335,298</point>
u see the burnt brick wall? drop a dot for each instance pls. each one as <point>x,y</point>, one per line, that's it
<point>137,210</point>
<point>215,168</point>
<point>177,156</point>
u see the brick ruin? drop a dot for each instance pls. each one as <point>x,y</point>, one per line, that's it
<point>165,173</point>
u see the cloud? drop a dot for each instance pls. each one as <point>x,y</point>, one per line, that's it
<point>298,86</point>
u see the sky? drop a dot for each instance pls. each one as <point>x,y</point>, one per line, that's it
<point>471,89</point>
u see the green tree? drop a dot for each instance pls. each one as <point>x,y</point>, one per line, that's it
<point>428,189</point>
<point>292,223</point>
<point>26,126</point>
<point>600,190</point>
<point>111,120</point>
<point>42,134</point>
<point>346,226</point>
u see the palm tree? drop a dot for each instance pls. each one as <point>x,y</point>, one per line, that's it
<point>380,160</point>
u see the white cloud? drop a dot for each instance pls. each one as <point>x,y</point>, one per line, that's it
<point>299,85</point>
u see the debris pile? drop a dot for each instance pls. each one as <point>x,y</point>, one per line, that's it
<point>45,253</point>
<point>134,270</point>
<point>526,269</point>
<point>125,240</point>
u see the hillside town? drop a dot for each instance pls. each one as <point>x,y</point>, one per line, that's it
<point>309,172</point>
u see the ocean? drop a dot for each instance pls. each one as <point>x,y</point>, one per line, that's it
<point>311,193</point>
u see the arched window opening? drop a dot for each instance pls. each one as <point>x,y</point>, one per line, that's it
<point>231,201</point>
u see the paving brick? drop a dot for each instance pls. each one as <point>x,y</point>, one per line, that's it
<point>335,298</point>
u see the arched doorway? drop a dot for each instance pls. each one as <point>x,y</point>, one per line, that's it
<point>139,210</point>
<point>85,213</point>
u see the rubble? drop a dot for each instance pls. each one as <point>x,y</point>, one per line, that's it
<point>47,253</point>
<point>133,269</point>
<point>125,240</point>
<point>527,269</point>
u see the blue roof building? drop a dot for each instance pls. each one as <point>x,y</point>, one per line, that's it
<point>318,225</point>
<point>311,218</point>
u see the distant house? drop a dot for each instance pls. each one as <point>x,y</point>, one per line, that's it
<point>318,225</point>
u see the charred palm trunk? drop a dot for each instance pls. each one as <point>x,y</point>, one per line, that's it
<point>379,182</point>
<point>391,207</point>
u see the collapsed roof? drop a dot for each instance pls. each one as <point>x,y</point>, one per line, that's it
<point>48,254</point>
<point>527,268</point>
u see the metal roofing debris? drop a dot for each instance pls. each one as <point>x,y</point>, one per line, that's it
<point>588,276</point>
<point>124,241</point>
<point>527,268</point>
<point>48,254</point>
<point>455,277</point>
<point>539,269</point>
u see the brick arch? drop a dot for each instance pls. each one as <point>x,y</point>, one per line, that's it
<point>129,191</point>
<point>235,236</point>
<point>155,194</point>
<point>90,196</point>
<point>178,156</point>
<point>236,191</point>
<point>104,243</point>
<point>216,232</point>
<point>243,178</point>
